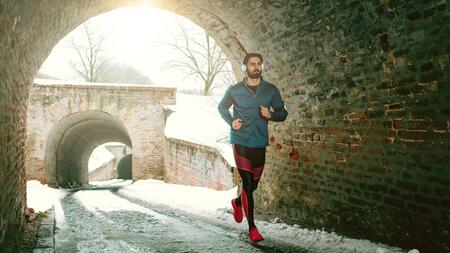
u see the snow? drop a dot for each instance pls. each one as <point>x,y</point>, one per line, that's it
<point>91,200</point>
<point>99,157</point>
<point>194,199</point>
<point>111,183</point>
<point>41,197</point>
<point>196,119</point>
<point>207,204</point>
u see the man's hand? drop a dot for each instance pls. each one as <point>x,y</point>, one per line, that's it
<point>265,112</point>
<point>237,123</point>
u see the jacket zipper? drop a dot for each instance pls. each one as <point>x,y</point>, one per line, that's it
<point>254,93</point>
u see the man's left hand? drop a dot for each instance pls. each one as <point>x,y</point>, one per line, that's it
<point>265,112</point>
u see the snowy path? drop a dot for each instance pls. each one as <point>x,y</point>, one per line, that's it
<point>119,223</point>
<point>154,216</point>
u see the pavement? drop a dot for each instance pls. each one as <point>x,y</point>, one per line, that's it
<point>46,234</point>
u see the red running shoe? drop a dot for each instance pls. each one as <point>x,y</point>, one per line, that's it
<point>254,235</point>
<point>237,211</point>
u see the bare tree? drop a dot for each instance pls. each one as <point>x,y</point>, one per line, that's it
<point>90,53</point>
<point>202,58</point>
<point>114,72</point>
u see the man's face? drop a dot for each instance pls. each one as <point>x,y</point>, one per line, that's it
<point>254,67</point>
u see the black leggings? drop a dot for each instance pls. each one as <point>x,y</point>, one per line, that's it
<point>249,185</point>
<point>250,164</point>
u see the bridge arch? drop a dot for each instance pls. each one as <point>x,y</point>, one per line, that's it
<point>217,27</point>
<point>364,82</point>
<point>72,140</point>
<point>60,111</point>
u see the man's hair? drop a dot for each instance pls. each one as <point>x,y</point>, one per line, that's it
<point>250,55</point>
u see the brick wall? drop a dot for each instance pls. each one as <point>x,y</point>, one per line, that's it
<point>129,114</point>
<point>193,164</point>
<point>14,83</point>
<point>104,172</point>
<point>365,149</point>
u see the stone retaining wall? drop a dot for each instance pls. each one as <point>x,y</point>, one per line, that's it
<point>194,164</point>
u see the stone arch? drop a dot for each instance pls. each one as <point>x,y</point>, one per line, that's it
<point>216,26</point>
<point>131,105</point>
<point>364,82</point>
<point>71,141</point>
<point>28,34</point>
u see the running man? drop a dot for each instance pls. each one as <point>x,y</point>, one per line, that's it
<point>252,99</point>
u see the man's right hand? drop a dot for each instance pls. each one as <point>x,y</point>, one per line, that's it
<point>237,123</point>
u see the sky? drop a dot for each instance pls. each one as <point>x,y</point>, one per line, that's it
<point>134,37</point>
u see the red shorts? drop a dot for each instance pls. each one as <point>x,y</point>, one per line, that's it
<point>250,159</point>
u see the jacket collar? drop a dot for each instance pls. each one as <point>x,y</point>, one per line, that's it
<point>262,82</point>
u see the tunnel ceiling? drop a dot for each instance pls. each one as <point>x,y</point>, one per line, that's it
<point>365,83</point>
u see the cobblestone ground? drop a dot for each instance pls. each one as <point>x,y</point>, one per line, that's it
<point>105,221</point>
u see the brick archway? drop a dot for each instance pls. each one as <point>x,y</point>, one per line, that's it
<point>29,32</point>
<point>62,112</point>
<point>365,83</point>
<point>71,141</point>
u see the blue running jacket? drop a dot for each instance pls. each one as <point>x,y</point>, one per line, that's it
<point>253,132</point>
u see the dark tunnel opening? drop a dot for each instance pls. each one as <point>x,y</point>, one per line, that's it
<point>73,140</point>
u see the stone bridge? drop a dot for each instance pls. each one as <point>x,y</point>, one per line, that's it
<point>66,122</point>
<point>365,149</point>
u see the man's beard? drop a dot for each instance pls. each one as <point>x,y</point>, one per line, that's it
<point>255,75</point>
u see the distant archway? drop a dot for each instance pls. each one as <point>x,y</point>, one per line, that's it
<point>71,142</point>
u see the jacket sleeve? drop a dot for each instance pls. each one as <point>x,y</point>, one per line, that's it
<point>279,112</point>
<point>224,106</point>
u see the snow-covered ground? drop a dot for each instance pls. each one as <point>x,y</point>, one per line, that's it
<point>136,208</point>
<point>41,197</point>
<point>196,119</point>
